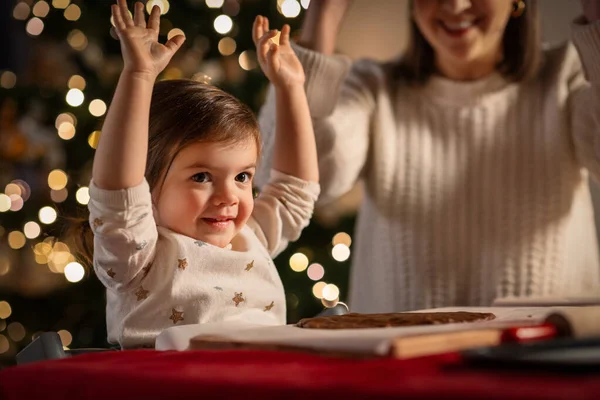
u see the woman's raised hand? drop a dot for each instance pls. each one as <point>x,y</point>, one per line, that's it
<point>278,62</point>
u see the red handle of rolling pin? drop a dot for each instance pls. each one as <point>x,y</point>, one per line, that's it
<point>523,334</point>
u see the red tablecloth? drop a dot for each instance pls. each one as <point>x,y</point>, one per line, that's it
<point>242,374</point>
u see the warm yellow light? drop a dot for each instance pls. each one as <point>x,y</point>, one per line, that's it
<point>47,215</point>
<point>162,4</point>
<point>76,82</point>
<point>223,24</point>
<point>331,292</point>
<point>317,289</point>
<point>57,179</point>
<point>75,97</point>
<point>5,310</point>
<point>315,272</point>
<point>61,4</point>
<point>174,32</point>
<point>77,40</point>
<point>97,108</point>
<point>298,262</point>
<point>227,46</point>
<point>21,11</point>
<point>83,195</point>
<point>41,9</point>
<point>8,80</point>
<point>340,252</point>
<point>305,3</point>
<point>13,188</point>
<point>4,202</point>
<point>16,331</point>
<point>73,12</point>
<point>35,26</point>
<point>342,238</point>
<point>65,337</point>
<point>74,272</point>
<point>32,230</point>
<point>214,3</point>
<point>4,344</point>
<point>58,196</point>
<point>42,249</point>
<point>65,117</point>
<point>4,267</point>
<point>66,131</point>
<point>247,60</point>
<point>93,139</point>
<point>16,240</point>
<point>290,8</point>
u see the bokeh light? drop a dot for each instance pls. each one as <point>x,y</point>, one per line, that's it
<point>342,238</point>
<point>331,292</point>
<point>77,82</point>
<point>75,97</point>
<point>74,272</point>
<point>214,3</point>
<point>97,108</point>
<point>227,46</point>
<point>298,262</point>
<point>16,240</point>
<point>83,195</point>
<point>8,80</point>
<point>5,310</point>
<point>290,8</point>
<point>317,289</point>
<point>66,131</point>
<point>60,4</point>
<point>16,331</point>
<point>340,252</point>
<point>41,9</point>
<point>72,13</point>
<point>65,337</point>
<point>57,179</point>
<point>34,26</point>
<point>21,11</point>
<point>223,24</point>
<point>4,202</point>
<point>247,60</point>
<point>47,215</point>
<point>93,139</point>
<point>162,4</point>
<point>32,230</point>
<point>315,272</point>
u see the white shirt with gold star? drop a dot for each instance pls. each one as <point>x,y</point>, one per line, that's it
<point>156,278</point>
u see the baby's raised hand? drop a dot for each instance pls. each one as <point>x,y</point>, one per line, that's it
<point>142,53</point>
<point>278,62</point>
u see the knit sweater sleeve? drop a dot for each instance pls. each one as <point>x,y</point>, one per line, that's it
<point>584,98</point>
<point>341,99</point>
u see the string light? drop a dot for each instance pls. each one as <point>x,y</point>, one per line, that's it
<point>227,46</point>
<point>8,80</point>
<point>97,108</point>
<point>21,11</point>
<point>315,272</point>
<point>16,331</point>
<point>60,4</point>
<point>317,289</point>
<point>16,202</point>
<point>340,252</point>
<point>77,82</point>
<point>72,13</point>
<point>58,196</point>
<point>41,9</point>
<point>34,26</point>
<point>65,117</point>
<point>298,262</point>
<point>5,310</point>
<point>16,240</point>
<point>342,238</point>
<point>32,230</point>
<point>4,202</point>
<point>77,40</point>
<point>247,60</point>
<point>66,131</point>
<point>162,4</point>
<point>57,179</point>
<point>223,24</point>
<point>93,139</point>
<point>47,215</point>
<point>74,272</point>
<point>83,195</point>
<point>214,3</point>
<point>290,8</point>
<point>331,292</point>
<point>65,337</point>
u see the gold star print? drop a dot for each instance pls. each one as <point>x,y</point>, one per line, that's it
<point>250,266</point>
<point>98,222</point>
<point>182,263</point>
<point>176,316</point>
<point>111,273</point>
<point>238,298</point>
<point>268,308</point>
<point>141,293</point>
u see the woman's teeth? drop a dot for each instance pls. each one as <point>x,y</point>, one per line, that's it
<point>458,26</point>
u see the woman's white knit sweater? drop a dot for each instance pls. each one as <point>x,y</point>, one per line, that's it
<point>473,190</point>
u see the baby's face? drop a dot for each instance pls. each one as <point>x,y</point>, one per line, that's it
<point>207,193</point>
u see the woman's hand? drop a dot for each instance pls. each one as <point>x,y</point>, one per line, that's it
<point>278,62</point>
<point>591,10</point>
<point>142,53</point>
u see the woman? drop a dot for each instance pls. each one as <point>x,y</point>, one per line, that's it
<point>474,150</point>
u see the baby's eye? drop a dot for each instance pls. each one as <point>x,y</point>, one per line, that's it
<point>244,177</point>
<point>201,177</point>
